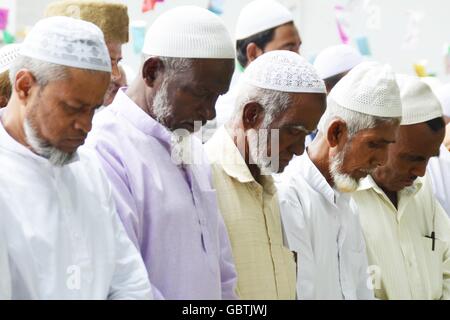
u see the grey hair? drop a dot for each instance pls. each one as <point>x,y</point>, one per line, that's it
<point>355,121</point>
<point>273,102</point>
<point>43,71</point>
<point>172,65</point>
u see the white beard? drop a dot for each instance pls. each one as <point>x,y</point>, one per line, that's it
<point>55,156</point>
<point>257,146</point>
<point>342,181</point>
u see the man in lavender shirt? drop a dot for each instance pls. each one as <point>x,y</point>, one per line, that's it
<point>166,202</point>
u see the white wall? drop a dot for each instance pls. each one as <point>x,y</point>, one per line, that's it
<point>316,21</point>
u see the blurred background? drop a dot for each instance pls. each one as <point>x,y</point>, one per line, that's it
<point>411,35</point>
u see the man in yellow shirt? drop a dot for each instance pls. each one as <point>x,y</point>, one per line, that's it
<point>281,101</point>
<point>407,232</point>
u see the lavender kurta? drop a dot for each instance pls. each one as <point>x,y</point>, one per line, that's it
<point>170,214</point>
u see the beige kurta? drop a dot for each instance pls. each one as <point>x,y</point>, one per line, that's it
<point>398,244</point>
<point>265,267</point>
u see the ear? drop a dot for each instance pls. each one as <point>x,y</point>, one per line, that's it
<point>336,133</point>
<point>253,52</point>
<point>23,83</point>
<point>151,69</point>
<point>252,115</point>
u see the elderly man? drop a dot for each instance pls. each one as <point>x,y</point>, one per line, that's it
<point>110,17</point>
<point>274,97</point>
<point>406,230</point>
<point>262,26</point>
<point>114,87</point>
<point>439,167</point>
<point>334,62</point>
<point>7,56</point>
<point>166,202</point>
<point>63,235</point>
<point>362,116</point>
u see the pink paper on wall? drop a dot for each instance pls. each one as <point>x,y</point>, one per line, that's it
<point>3,18</point>
<point>148,5</point>
<point>341,23</point>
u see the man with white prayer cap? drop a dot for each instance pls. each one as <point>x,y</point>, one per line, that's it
<point>8,54</point>
<point>280,102</point>
<point>160,176</point>
<point>334,62</point>
<point>262,26</point>
<point>111,17</point>
<point>439,167</point>
<point>361,120</point>
<point>406,230</point>
<point>64,237</point>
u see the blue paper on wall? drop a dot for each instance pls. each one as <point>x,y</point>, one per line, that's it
<point>216,6</point>
<point>363,46</point>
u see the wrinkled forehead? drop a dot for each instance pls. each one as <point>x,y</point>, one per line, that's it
<point>209,73</point>
<point>419,138</point>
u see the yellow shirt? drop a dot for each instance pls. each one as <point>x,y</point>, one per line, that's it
<point>399,249</point>
<point>266,268</point>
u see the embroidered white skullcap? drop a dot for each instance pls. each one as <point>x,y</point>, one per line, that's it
<point>419,103</point>
<point>336,59</point>
<point>189,32</point>
<point>443,94</point>
<point>261,15</point>
<point>285,71</point>
<point>68,42</point>
<point>8,54</point>
<point>369,88</point>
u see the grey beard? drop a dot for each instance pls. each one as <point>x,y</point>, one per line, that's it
<point>55,156</point>
<point>343,182</point>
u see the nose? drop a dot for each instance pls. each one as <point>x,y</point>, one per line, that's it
<point>208,111</point>
<point>84,123</point>
<point>299,147</point>
<point>419,170</point>
<point>382,157</point>
<point>115,72</point>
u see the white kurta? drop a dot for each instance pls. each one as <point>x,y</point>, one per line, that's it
<point>439,172</point>
<point>5,280</point>
<point>399,247</point>
<point>64,237</point>
<point>325,232</point>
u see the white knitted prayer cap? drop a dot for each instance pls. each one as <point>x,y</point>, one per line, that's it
<point>8,54</point>
<point>369,88</point>
<point>68,42</point>
<point>261,15</point>
<point>419,103</point>
<point>285,71</point>
<point>337,59</point>
<point>443,94</point>
<point>189,32</point>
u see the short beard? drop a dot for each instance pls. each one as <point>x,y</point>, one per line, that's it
<point>257,146</point>
<point>161,107</point>
<point>342,181</point>
<point>55,156</point>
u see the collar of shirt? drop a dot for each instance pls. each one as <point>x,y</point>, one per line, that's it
<point>9,143</point>
<point>127,108</point>
<point>404,196</point>
<point>308,170</point>
<point>226,153</point>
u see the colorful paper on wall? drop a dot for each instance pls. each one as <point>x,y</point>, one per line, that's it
<point>216,6</point>
<point>8,37</point>
<point>363,46</point>
<point>148,5</point>
<point>342,24</point>
<point>421,69</point>
<point>137,35</point>
<point>3,18</point>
